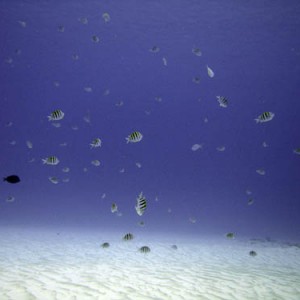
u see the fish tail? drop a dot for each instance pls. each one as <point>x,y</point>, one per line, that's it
<point>257,120</point>
<point>44,161</point>
<point>49,118</point>
<point>127,140</point>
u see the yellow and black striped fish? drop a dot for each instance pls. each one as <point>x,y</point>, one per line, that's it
<point>134,137</point>
<point>51,160</point>
<point>265,117</point>
<point>56,115</point>
<point>222,101</point>
<point>141,204</point>
<point>144,249</point>
<point>128,237</point>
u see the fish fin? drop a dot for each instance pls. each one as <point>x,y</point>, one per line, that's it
<point>49,118</point>
<point>44,160</point>
<point>127,140</point>
<point>257,120</point>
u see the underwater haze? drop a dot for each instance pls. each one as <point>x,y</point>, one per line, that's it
<point>157,147</point>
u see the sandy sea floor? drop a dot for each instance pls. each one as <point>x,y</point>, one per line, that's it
<point>42,264</point>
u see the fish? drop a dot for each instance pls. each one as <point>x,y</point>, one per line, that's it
<point>106,17</point>
<point>144,249</point>
<point>95,39</point>
<point>83,20</point>
<point>105,245</point>
<point>230,235</point>
<point>141,223</point>
<point>53,179</point>
<point>134,137</point>
<point>128,237</point>
<point>61,28</point>
<point>196,80</point>
<point>29,144</point>
<point>96,143</point>
<point>114,208</point>
<point>297,151</point>
<point>261,171</point>
<point>139,165</point>
<point>66,169</point>
<point>174,247</point>
<point>210,72</point>
<point>95,162</point>
<point>265,117</point>
<point>141,204</point>
<point>192,220</point>
<point>250,201</point>
<point>265,145</point>
<point>196,51</point>
<point>65,180</point>
<point>154,49</point>
<point>56,115</point>
<point>10,199</point>
<point>51,160</point>
<point>165,62</point>
<point>222,101</point>
<point>196,147</point>
<point>252,253</point>
<point>75,56</point>
<point>221,148</point>
<point>88,89</point>
<point>12,179</point>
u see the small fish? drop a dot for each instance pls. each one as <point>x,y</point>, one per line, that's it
<point>95,162</point>
<point>139,165</point>
<point>85,170</point>
<point>230,235</point>
<point>205,120</point>
<point>29,144</point>
<point>22,23</point>
<point>158,99</point>
<point>154,49</point>
<point>210,72</point>
<point>221,148</point>
<point>105,245</point>
<point>56,115</point>
<point>222,101</point>
<point>252,253</point>
<point>53,179</point>
<point>66,169</point>
<point>141,223</point>
<point>196,80</point>
<point>134,137</point>
<point>83,20</point>
<point>248,192</point>
<point>13,143</point>
<point>128,237</point>
<point>114,208</point>
<point>141,204</point>
<point>250,201</point>
<point>75,56</point>
<point>265,117</point>
<point>95,39</point>
<point>144,249</point>
<point>192,220</point>
<point>297,151</point>
<point>197,51</point>
<point>103,196</point>
<point>261,171</point>
<point>88,89</point>
<point>265,145</point>
<point>61,28</point>
<point>9,124</point>
<point>65,180</point>
<point>196,147</point>
<point>10,199</point>
<point>12,179</point>
<point>51,160</point>
<point>165,62</point>
<point>106,92</point>
<point>106,17</point>
<point>120,103</point>
<point>96,143</point>
<point>174,247</point>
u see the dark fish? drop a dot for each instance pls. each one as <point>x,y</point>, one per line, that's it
<point>12,179</point>
<point>128,237</point>
<point>174,247</point>
<point>230,235</point>
<point>144,249</point>
<point>105,245</point>
<point>252,253</point>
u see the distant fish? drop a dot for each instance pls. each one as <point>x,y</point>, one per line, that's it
<point>88,89</point>
<point>196,79</point>
<point>141,223</point>
<point>197,51</point>
<point>174,247</point>
<point>96,143</point>
<point>103,196</point>
<point>250,201</point>
<point>114,208</point>
<point>230,235</point>
<point>144,249</point>
<point>252,253</point>
<point>10,199</point>
<point>222,101</point>
<point>56,115</point>
<point>8,124</point>
<point>210,72</point>
<point>75,56</point>
<point>66,169</point>
<point>154,49</point>
<point>128,237</point>
<point>95,162</point>
<point>139,165</point>
<point>51,160</point>
<point>265,145</point>
<point>22,23</point>
<point>192,220</point>
<point>61,28</point>
<point>122,170</point>
<point>134,137</point>
<point>165,62</point>
<point>95,39</point>
<point>248,192</point>
<point>65,180</point>
<point>141,204</point>
<point>158,99</point>
<point>221,148</point>
<point>83,20</point>
<point>261,171</point>
<point>29,145</point>
<point>196,147</point>
<point>12,179</point>
<point>297,151</point>
<point>105,245</point>
<point>53,179</point>
<point>106,17</point>
<point>265,117</point>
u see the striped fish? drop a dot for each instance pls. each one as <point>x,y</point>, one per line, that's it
<point>96,143</point>
<point>222,101</point>
<point>51,160</point>
<point>265,117</point>
<point>141,204</point>
<point>56,115</point>
<point>114,208</point>
<point>134,137</point>
<point>128,237</point>
<point>144,249</point>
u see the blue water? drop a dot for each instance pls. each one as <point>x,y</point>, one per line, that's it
<point>253,49</point>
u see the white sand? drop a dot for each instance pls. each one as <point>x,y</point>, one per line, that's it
<point>37,264</point>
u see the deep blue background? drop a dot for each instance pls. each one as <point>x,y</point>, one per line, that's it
<point>254,50</point>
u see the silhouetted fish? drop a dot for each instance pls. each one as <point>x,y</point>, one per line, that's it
<point>12,179</point>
